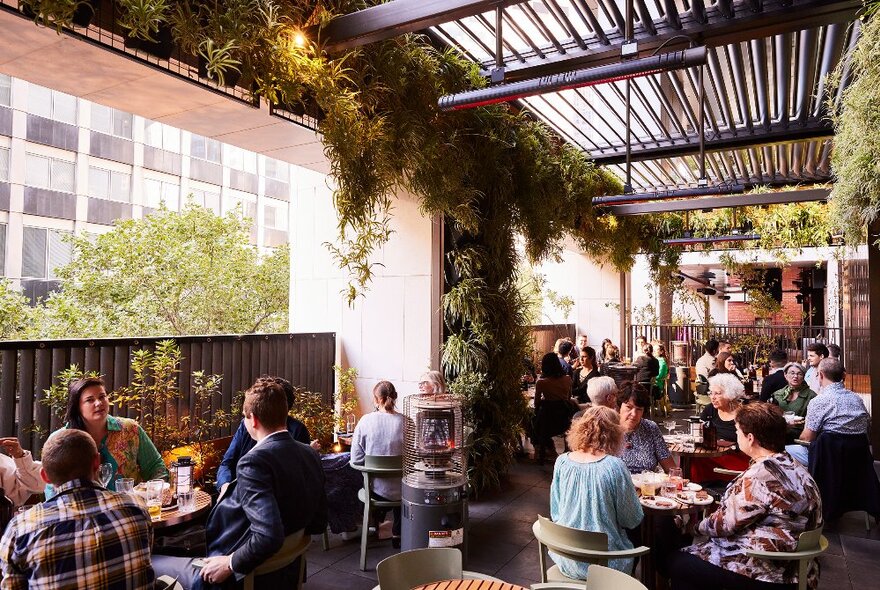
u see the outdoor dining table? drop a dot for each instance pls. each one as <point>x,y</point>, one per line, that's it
<point>174,516</point>
<point>648,530</point>
<point>677,448</point>
<point>469,585</point>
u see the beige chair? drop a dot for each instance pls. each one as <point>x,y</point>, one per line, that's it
<point>295,545</point>
<point>810,545</point>
<point>599,578</point>
<point>422,566</point>
<point>376,467</point>
<point>585,546</point>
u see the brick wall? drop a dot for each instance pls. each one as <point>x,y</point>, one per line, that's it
<point>739,313</point>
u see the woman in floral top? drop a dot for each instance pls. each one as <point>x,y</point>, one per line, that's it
<point>765,508</point>
<point>121,441</point>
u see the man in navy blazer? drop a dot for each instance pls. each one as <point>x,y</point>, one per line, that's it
<point>279,489</point>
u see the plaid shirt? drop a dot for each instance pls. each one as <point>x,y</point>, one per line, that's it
<point>85,537</point>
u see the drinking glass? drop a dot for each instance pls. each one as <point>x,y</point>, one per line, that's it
<point>675,475</point>
<point>186,501</point>
<point>669,489</point>
<point>125,485</point>
<point>648,485</point>
<point>350,423</point>
<point>669,425</point>
<point>105,473</point>
<point>154,497</point>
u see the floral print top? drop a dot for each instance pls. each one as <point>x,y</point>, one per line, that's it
<point>766,508</point>
<point>131,452</point>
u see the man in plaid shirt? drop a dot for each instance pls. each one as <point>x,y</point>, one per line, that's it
<point>85,536</point>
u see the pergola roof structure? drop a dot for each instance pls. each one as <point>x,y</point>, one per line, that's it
<point>765,81</point>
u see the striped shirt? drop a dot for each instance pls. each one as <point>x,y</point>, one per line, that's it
<point>84,537</point>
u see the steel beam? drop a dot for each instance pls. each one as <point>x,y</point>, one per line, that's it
<point>725,140</point>
<point>777,18</point>
<point>396,18</point>
<point>727,201</point>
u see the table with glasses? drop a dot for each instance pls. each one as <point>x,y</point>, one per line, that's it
<point>173,516</point>
<point>677,448</point>
<point>469,585</point>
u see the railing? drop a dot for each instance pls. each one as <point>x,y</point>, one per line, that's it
<point>748,342</point>
<point>28,368</point>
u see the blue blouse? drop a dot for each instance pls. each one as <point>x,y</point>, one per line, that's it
<point>600,497</point>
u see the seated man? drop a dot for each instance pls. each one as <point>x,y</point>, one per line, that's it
<point>835,409</point>
<point>86,536</point>
<point>707,362</point>
<point>242,441</point>
<point>19,473</point>
<point>279,490</point>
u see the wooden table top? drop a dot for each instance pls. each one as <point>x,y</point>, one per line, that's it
<point>678,448</point>
<point>174,516</point>
<point>469,585</point>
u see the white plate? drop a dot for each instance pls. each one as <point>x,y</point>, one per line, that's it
<point>659,503</point>
<point>688,499</point>
<point>693,487</point>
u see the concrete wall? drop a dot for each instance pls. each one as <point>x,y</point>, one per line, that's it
<point>387,333</point>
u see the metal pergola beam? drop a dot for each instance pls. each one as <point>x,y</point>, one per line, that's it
<point>396,18</point>
<point>777,18</point>
<point>725,140</point>
<point>722,202</point>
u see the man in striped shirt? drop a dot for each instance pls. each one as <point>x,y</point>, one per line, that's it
<point>85,536</point>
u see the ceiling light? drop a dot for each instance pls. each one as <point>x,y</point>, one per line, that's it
<point>634,68</point>
<point>678,193</point>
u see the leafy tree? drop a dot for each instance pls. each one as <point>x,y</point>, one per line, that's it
<point>14,312</point>
<point>168,274</point>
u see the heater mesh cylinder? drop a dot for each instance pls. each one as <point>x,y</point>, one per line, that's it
<point>434,453</point>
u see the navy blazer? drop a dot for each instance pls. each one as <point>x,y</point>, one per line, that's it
<point>242,443</point>
<point>279,490</point>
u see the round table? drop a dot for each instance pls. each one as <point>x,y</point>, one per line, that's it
<point>174,516</point>
<point>468,585</point>
<point>686,456</point>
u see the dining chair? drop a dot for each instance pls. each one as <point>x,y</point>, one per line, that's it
<point>599,578</point>
<point>585,546</point>
<point>295,546</point>
<point>422,566</point>
<point>810,545</point>
<point>376,467</point>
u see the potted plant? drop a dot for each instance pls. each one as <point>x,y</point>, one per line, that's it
<point>147,26</point>
<point>59,14</point>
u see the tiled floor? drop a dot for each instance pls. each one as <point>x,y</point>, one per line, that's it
<point>502,544</point>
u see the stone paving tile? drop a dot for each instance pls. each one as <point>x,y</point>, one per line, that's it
<point>524,566</point>
<point>863,574</point>
<point>834,574</point>
<point>333,579</point>
<point>855,548</point>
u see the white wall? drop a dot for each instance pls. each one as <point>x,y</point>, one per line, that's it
<point>387,333</point>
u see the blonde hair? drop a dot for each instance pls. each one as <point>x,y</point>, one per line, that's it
<point>435,378</point>
<point>597,430</point>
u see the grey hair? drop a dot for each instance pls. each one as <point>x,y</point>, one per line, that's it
<point>731,387</point>
<point>794,364</point>
<point>435,378</point>
<point>602,389</point>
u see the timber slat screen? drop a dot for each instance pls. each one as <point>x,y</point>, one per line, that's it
<point>545,336</point>
<point>28,368</point>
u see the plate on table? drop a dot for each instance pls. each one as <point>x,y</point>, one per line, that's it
<point>658,502</point>
<point>693,487</point>
<point>691,498</point>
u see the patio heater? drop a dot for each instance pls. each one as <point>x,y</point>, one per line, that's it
<point>434,503</point>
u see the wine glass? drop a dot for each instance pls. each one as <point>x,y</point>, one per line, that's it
<point>669,425</point>
<point>105,473</point>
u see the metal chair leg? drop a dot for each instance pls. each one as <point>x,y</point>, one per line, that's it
<point>325,539</point>
<point>365,531</point>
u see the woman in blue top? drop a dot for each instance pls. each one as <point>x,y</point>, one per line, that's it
<point>592,489</point>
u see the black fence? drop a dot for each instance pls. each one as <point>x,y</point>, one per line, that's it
<point>29,368</point>
<point>751,343</point>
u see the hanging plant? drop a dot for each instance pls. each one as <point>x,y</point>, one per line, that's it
<point>58,14</point>
<point>219,62</point>
<point>142,18</point>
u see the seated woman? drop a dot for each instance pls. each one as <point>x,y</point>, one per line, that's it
<point>242,441</point>
<point>553,408</point>
<point>121,441</point>
<point>19,473</point>
<point>592,489</point>
<point>588,369</point>
<point>644,447</point>
<point>647,364</point>
<point>767,507</point>
<point>725,393</point>
<point>603,351</point>
<point>381,433</point>
<point>432,382</point>
<point>724,363</point>
<point>794,397</point>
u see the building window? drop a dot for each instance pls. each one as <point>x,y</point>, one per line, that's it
<point>5,90</point>
<point>162,136</point>
<point>277,170</point>
<point>204,148</point>
<point>43,251</point>
<point>2,249</point>
<point>240,159</point>
<point>157,192</point>
<point>109,184</point>
<point>246,202</point>
<point>4,164</point>
<point>275,216</point>
<point>52,104</point>
<point>207,199</point>
<point>110,121</point>
<point>49,173</point>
